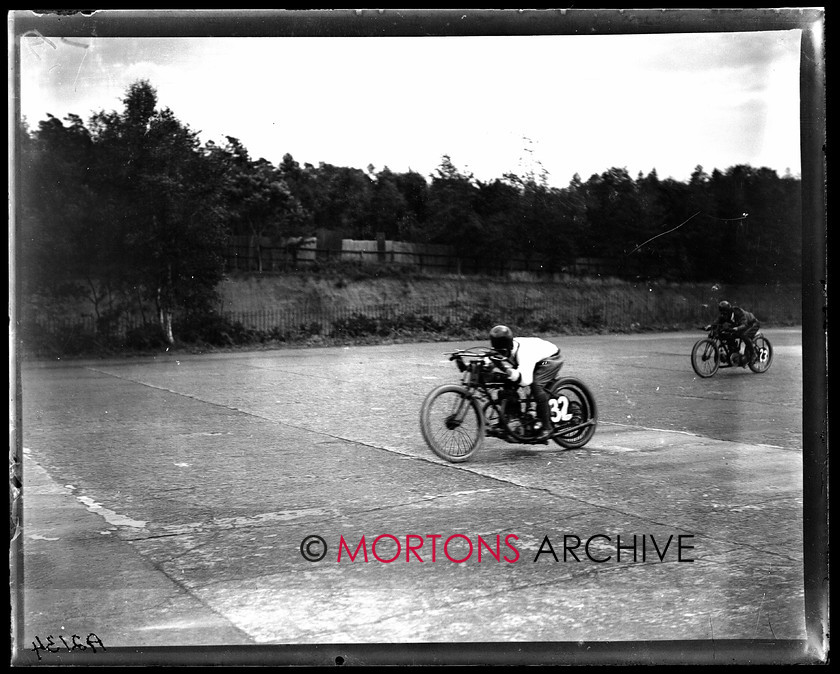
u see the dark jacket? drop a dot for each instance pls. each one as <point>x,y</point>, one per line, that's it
<point>737,318</point>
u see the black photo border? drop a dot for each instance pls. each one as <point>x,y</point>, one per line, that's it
<point>468,22</point>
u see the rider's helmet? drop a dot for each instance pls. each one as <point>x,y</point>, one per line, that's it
<point>724,307</point>
<point>501,339</point>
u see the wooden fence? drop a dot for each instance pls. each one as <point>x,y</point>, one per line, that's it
<point>251,254</point>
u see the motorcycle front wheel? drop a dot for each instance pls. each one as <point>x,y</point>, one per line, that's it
<point>705,358</point>
<point>452,423</point>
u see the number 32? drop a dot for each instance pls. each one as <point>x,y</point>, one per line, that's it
<point>559,409</point>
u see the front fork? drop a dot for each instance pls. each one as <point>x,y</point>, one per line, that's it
<point>455,418</point>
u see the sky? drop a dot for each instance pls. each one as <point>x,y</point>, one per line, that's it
<point>562,104</point>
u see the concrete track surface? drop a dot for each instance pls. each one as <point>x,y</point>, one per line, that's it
<point>166,501</point>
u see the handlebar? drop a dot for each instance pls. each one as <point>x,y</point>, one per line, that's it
<point>716,330</point>
<point>482,358</point>
<point>475,353</point>
<point>464,358</point>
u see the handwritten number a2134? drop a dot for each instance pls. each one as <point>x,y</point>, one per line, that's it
<point>93,642</point>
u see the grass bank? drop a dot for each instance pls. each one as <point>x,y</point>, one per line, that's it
<point>358,305</point>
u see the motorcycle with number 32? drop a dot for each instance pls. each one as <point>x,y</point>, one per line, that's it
<point>455,418</point>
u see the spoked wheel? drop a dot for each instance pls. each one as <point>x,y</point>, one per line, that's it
<point>705,358</point>
<point>452,423</point>
<point>573,406</point>
<point>763,351</point>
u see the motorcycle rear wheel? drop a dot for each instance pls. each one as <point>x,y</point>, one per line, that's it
<point>452,423</point>
<point>577,394</point>
<point>705,358</point>
<point>764,349</point>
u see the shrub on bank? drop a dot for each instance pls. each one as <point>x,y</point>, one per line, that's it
<point>148,336</point>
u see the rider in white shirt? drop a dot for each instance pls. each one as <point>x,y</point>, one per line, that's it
<point>529,361</point>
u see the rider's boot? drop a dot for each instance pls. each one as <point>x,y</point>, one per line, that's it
<point>547,428</point>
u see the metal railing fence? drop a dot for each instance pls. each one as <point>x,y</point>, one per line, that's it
<point>590,309</point>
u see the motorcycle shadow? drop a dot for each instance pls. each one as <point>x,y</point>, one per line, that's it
<point>732,371</point>
<point>519,453</point>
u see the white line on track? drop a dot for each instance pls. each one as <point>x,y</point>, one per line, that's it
<point>671,430</point>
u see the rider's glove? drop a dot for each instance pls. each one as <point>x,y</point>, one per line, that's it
<point>498,362</point>
<point>503,365</point>
<point>511,373</point>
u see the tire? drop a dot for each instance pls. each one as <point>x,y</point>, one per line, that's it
<point>575,392</point>
<point>705,358</point>
<point>764,349</point>
<point>452,423</point>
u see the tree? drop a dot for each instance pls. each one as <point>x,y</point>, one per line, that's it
<point>302,188</point>
<point>161,197</point>
<point>415,192</point>
<point>498,204</point>
<point>663,206</point>
<point>258,200</point>
<point>388,207</point>
<point>67,248</point>
<point>562,229</point>
<point>452,217</point>
<point>56,206</point>
<point>767,241</point>
<point>614,213</point>
<point>340,199</point>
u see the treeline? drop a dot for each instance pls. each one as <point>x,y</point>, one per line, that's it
<point>130,210</point>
